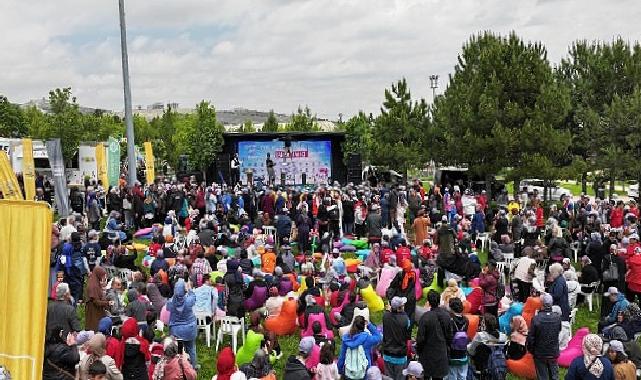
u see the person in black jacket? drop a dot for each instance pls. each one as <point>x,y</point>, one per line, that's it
<point>61,354</point>
<point>433,338</point>
<point>543,340</point>
<point>295,366</point>
<point>61,313</point>
<point>396,325</point>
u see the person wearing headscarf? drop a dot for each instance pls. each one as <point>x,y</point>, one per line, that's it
<point>596,250</point>
<point>96,301</point>
<point>516,348</point>
<point>182,321</point>
<point>591,365</point>
<point>172,364</point>
<point>112,344</point>
<point>234,281</point>
<point>226,366</point>
<point>133,353</point>
<point>404,285</point>
<point>259,368</point>
<point>156,299</point>
<point>624,369</point>
<point>96,352</point>
<point>451,291</point>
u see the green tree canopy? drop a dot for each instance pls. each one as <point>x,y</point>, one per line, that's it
<point>206,139</point>
<point>303,121</point>
<point>247,127</point>
<point>271,124</point>
<point>358,136</point>
<point>12,122</point>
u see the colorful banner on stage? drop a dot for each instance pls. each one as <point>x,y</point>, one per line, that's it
<point>149,163</point>
<point>113,162</point>
<point>54,151</point>
<point>8,181</point>
<point>101,165</point>
<point>28,170</point>
<point>25,242</point>
<point>312,158</point>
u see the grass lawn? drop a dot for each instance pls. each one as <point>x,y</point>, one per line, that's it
<point>289,344</point>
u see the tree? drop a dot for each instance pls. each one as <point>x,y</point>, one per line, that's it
<point>398,133</point>
<point>143,130</point>
<point>271,124</point>
<point>207,138</point>
<point>65,121</point>
<point>36,122</point>
<point>167,129</point>
<point>303,121</point>
<point>12,123</point>
<point>358,136</point>
<point>595,73</point>
<point>503,109</point>
<point>247,127</point>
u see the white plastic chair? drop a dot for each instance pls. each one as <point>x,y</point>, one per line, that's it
<point>126,276</point>
<point>269,230</point>
<point>111,271</point>
<point>201,322</point>
<point>500,266</point>
<point>588,296</point>
<point>231,326</point>
<point>484,237</point>
<point>575,246</point>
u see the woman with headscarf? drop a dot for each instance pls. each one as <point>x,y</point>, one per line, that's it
<point>451,291</point>
<point>516,348</point>
<point>182,321</point>
<point>133,353</point>
<point>156,299</point>
<point>173,365</point>
<point>624,369</point>
<point>96,301</point>
<point>596,250</point>
<point>96,352</point>
<point>404,285</point>
<point>591,365</point>
<point>259,368</point>
<point>233,279</point>
<point>226,366</point>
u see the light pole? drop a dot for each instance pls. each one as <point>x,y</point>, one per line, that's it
<point>433,85</point>
<point>129,123</point>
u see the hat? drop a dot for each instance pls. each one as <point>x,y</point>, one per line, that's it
<point>634,236</point>
<point>547,300</point>
<point>613,290</point>
<point>83,337</point>
<point>398,302</point>
<point>414,368</point>
<point>616,346</point>
<point>306,345</point>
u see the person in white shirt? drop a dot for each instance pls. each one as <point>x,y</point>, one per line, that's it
<point>524,273</point>
<point>68,229</point>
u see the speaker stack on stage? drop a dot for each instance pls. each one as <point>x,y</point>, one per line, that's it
<point>354,168</point>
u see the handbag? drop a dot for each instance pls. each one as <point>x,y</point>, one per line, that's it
<point>611,273</point>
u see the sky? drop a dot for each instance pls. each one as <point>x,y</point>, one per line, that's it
<point>336,56</point>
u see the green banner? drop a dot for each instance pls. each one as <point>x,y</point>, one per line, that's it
<point>113,161</point>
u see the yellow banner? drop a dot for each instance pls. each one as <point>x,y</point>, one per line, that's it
<point>25,242</point>
<point>149,163</point>
<point>8,181</point>
<point>101,164</point>
<point>28,170</point>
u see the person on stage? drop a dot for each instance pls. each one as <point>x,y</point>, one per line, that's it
<point>271,176</point>
<point>235,170</point>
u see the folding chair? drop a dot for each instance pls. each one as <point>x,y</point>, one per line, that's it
<point>202,325</point>
<point>231,326</point>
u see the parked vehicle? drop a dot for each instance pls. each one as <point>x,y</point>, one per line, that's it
<point>555,192</point>
<point>633,189</point>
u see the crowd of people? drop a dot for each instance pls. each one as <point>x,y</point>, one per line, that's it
<point>341,254</point>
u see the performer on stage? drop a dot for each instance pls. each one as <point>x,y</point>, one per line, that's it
<point>235,170</point>
<point>271,176</point>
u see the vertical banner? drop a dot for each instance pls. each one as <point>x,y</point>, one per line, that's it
<point>113,162</point>
<point>149,163</point>
<point>101,163</point>
<point>54,151</point>
<point>8,181</point>
<point>28,170</point>
<point>87,161</point>
<point>25,242</point>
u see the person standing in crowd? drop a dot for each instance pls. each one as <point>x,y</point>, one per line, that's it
<point>421,226</point>
<point>96,301</point>
<point>403,285</point>
<point>559,291</point>
<point>433,338</point>
<point>60,312</point>
<point>543,340</point>
<point>182,322</point>
<point>488,281</point>
<point>458,350</point>
<point>524,274</point>
<point>591,365</point>
<point>396,325</point>
<point>355,341</point>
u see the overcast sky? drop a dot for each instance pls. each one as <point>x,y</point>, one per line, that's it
<point>337,56</point>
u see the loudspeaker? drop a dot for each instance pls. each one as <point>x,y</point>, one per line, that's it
<point>303,178</point>
<point>282,178</point>
<point>223,167</point>
<point>354,168</point>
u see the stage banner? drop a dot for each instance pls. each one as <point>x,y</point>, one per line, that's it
<point>101,164</point>
<point>25,242</point>
<point>113,162</point>
<point>54,151</point>
<point>149,163</point>
<point>8,181</point>
<point>310,158</point>
<point>87,160</point>
<point>28,170</point>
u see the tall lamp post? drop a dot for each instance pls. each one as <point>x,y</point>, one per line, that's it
<point>433,85</point>
<point>129,122</point>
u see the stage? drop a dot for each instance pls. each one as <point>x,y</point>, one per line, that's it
<point>300,158</point>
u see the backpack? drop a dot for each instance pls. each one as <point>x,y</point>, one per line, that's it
<point>460,340</point>
<point>355,363</point>
<point>496,363</point>
<point>611,270</point>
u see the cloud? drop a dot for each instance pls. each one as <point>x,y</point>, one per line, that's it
<point>333,55</point>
